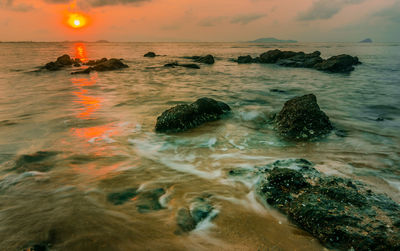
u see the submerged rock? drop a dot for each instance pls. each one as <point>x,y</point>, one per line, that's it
<point>341,63</point>
<point>188,219</point>
<point>150,54</point>
<point>209,59</point>
<point>102,65</point>
<point>176,64</point>
<point>184,117</point>
<point>341,213</point>
<point>302,119</point>
<point>119,198</point>
<point>38,161</point>
<point>149,200</point>
<point>146,201</point>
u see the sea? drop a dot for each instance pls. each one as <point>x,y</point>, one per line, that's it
<point>69,141</point>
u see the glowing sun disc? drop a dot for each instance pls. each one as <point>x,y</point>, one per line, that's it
<point>76,20</point>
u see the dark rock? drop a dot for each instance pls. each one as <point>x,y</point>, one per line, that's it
<point>184,117</point>
<point>335,64</point>
<point>209,59</point>
<point>37,247</point>
<point>185,220</point>
<point>302,119</point>
<point>200,209</point>
<point>34,162</point>
<point>176,64</point>
<point>380,119</point>
<point>109,65</point>
<point>64,60</point>
<point>52,66</point>
<point>119,198</point>
<point>245,59</point>
<point>271,56</point>
<point>341,63</point>
<point>192,66</point>
<point>95,62</point>
<point>149,200</point>
<point>84,71</point>
<point>341,213</point>
<point>277,90</point>
<point>172,65</point>
<point>150,54</point>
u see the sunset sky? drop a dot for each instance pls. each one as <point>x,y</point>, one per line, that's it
<point>202,20</point>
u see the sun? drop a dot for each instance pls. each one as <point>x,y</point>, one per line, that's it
<point>76,20</point>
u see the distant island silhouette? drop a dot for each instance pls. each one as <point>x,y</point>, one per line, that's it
<point>367,40</point>
<point>271,40</point>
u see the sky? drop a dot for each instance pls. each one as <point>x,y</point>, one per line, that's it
<point>202,20</point>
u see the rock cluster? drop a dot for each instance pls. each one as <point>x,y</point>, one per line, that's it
<point>184,117</point>
<point>102,65</point>
<point>341,213</point>
<point>335,64</point>
<point>61,62</point>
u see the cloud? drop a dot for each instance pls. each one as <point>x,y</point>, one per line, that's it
<point>212,21</point>
<point>246,19</point>
<point>325,9</point>
<point>16,6</point>
<point>96,3</point>
<point>391,14</point>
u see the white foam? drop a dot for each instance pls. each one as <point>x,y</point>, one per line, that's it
<point>250,115</point>
<point>175,161</point>
<point>217,156</point>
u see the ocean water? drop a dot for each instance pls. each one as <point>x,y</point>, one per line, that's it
<point>97,132</point>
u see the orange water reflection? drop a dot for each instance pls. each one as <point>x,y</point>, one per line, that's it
<point>80,52</point>
<point>93,140</point>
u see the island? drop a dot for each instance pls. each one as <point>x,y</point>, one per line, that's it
<point>271,40</point>
<point>367,40</point>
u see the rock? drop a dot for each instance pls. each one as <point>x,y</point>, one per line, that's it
<point>109,65</point>
<point>184,117</point>
<point>302,119</point>
<point>149,200</point>
<point>95,62</point>
<point>37,247</point>
<point>52,66</point>
<point>244,59</point>
<point>335,64</point>
<point>209,59</point>
<point>341,63</point>
<point>277,90</point>
<point>185,220</point>
<point>200,209</point>
<point>150,54</point>
<point>64,60</point>
<point>85,71</point>
<point>119,198</point>
<point>176,64</point>
<point>38,161</point>
<point>341,213</point>
<point>271,56</point>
